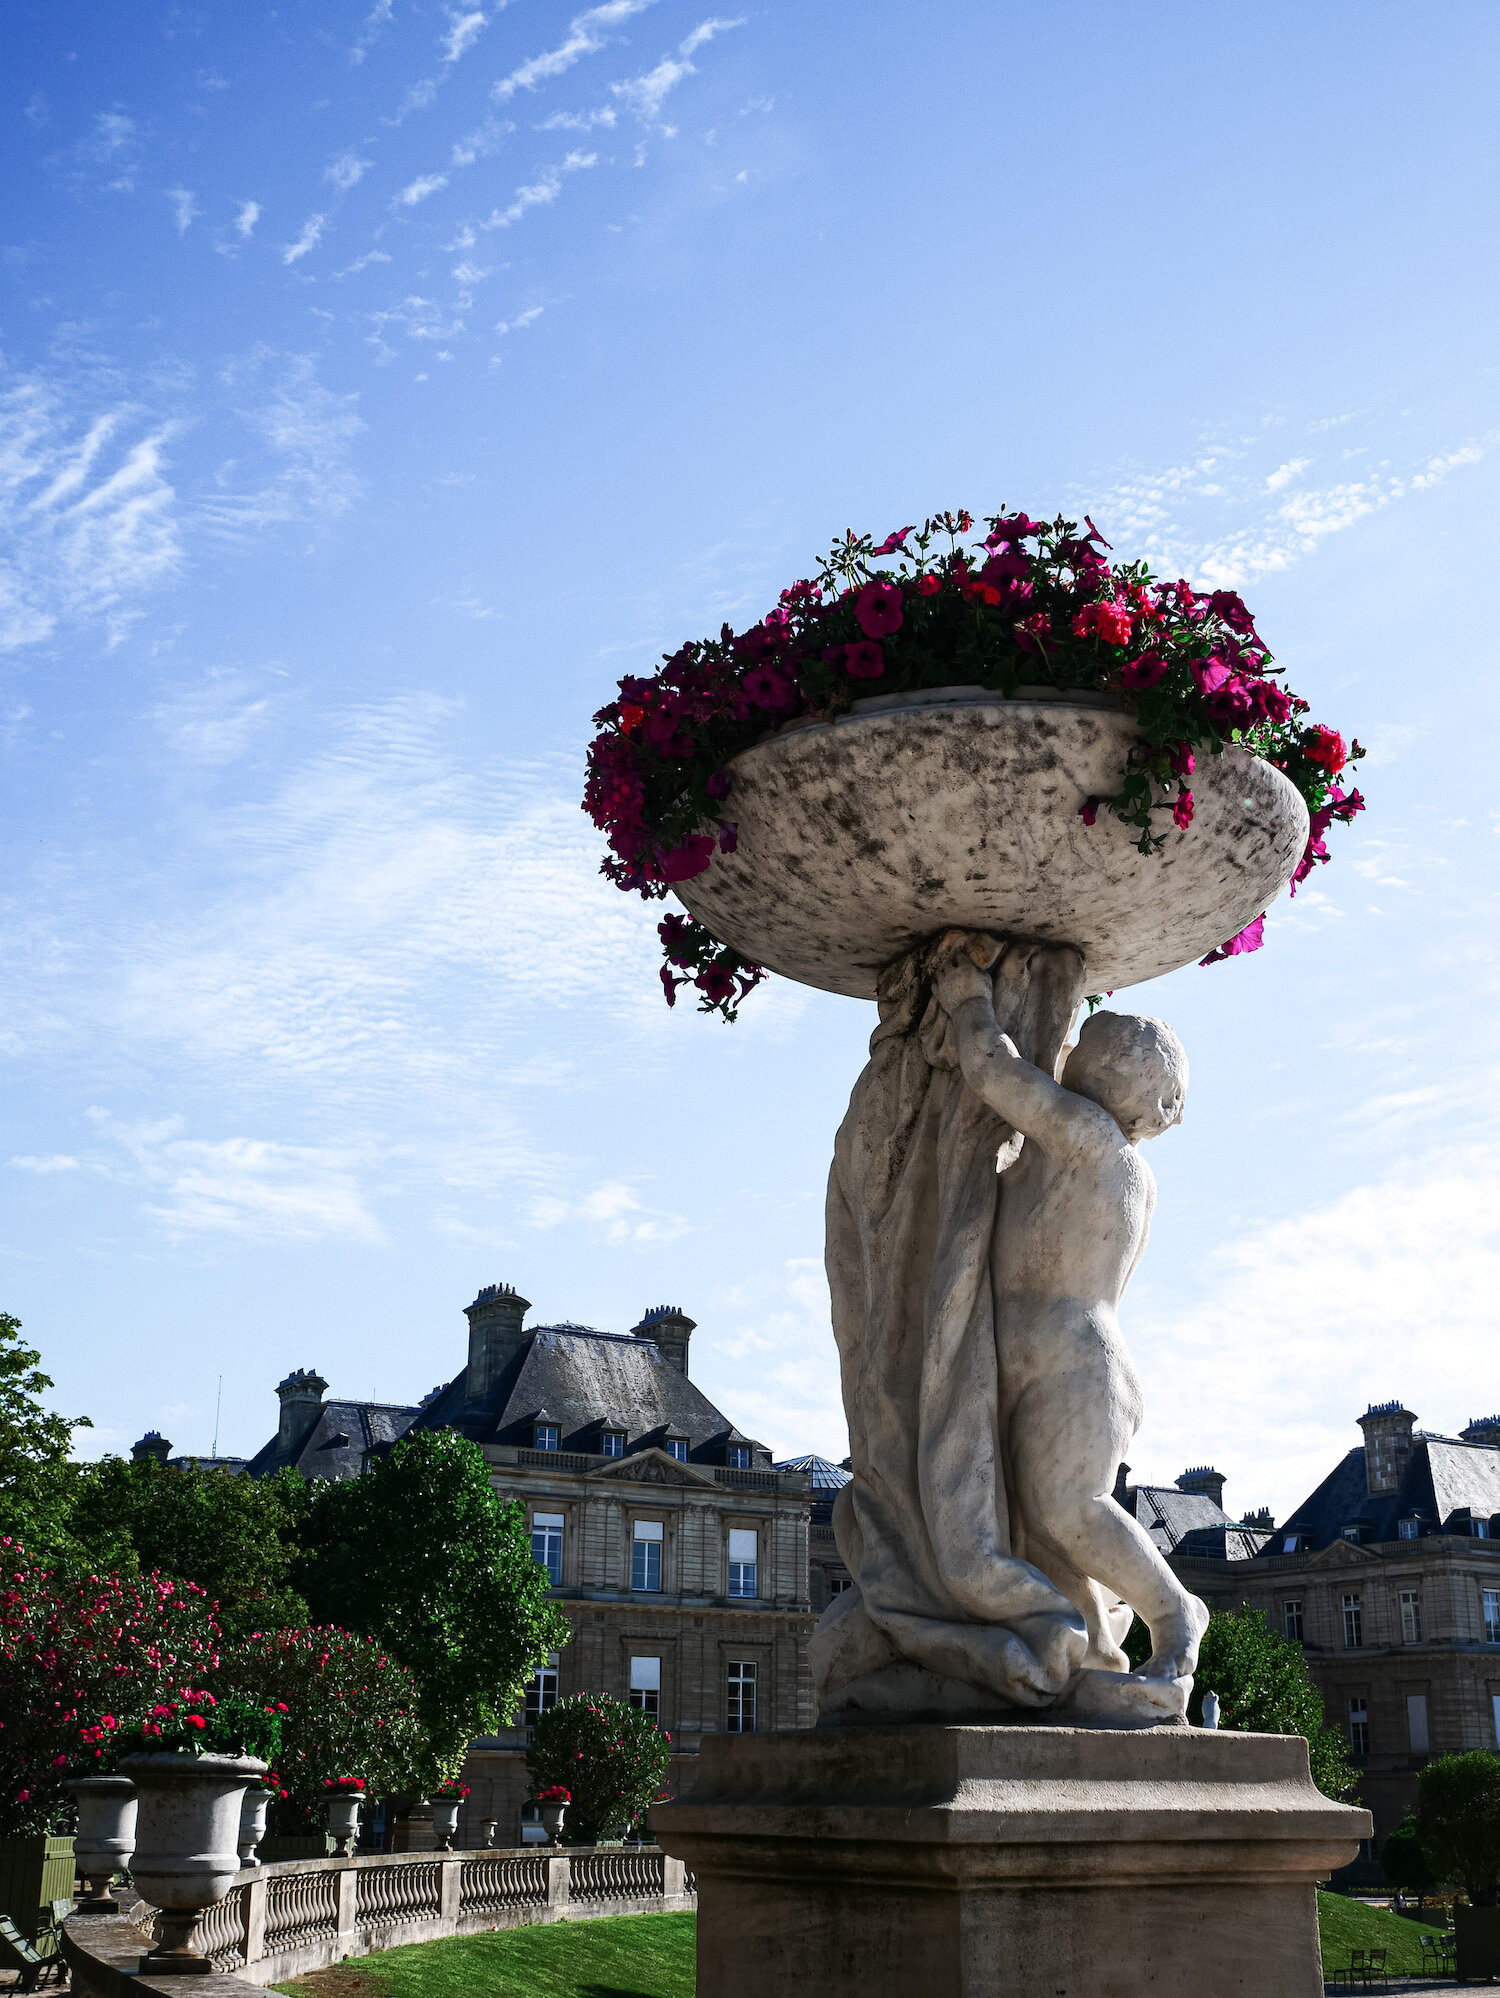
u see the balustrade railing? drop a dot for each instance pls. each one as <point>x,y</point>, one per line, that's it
<point>222,1932</point>
<point>302,1907</point>
<point>491,1880</point>
<point>618,1876</point>
<point>387,1895</point>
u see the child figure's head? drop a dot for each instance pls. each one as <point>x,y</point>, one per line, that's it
<point>1132,1066</point>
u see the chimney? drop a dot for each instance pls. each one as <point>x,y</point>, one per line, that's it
<point>669,1328</point>
<point>1485,1430</point>
<point>152,1444</point>
<point>301,1396</point>
<point>1206,1481</point>
<point>495,1335</point>
<point>1121,1490</point>
<point>1387,1426</point>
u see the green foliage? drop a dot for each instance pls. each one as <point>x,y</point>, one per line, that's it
<point>611,1759</point>
<point>346,1709</point>
<point>201,1723</point>
<point>624,1956</point>
<point>1458,1821</point>
<point>1264,1688</point>
<point>234,1536</point>
<point>35,1476</point>
<point>420,1553</point>
<point>82,1663</point>
<point>1404,1861</point>
<point>1345,1925</point>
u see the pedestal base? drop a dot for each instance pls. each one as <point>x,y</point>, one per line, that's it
<point>1017,1862</point>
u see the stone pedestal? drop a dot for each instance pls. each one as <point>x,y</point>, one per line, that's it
<point>1020,1861</point>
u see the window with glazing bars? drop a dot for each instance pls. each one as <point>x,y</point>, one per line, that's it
<point>1492,1616</point>
<point>645,1556</point>
<point>546,1436</point>
<point>546,1543</point>
<point>741,1714</point>
<point>676,1446</point>
<point>739,1456</point>
<point>742,1550</point>
<point>645,1685</point>
<point>541,1690</point>
<point>1291,1618</point>
<point>1354,1624</point>
<point>1359,1729</point>
<point>611,1444</point>
<point>1411,1617</point>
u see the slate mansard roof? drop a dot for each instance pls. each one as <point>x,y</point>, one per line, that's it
<point>1446,1483</point>
<point>337,1444</point>
<point>583,1382</point>
<point>1169,1515</point>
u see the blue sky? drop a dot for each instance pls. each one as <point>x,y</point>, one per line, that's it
<point>379,382</point>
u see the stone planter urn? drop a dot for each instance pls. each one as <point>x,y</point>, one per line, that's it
<point>107,1808</point>
<point>444,1821</point>
<point>552,1820</point>
<point>488,1826</point>
<point>253,1822</point>
<point>343,1820</point>
<point>187,1844</point>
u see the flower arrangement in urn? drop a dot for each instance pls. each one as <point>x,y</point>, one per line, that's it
<point>344,1796</point>
<point>446,1801</point>
<point>1029,605</point>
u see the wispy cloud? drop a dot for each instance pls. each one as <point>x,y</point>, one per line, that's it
<point>363,263</point>
<point>306,432</point>
<point>247,218</point>
<point>419,189</point>
<point>346,171</point>
<point>540,192</point>
<point>580,121</point>
<point>50,1163</point>
<point>215,722</point>
<point>312,230</point>
<point>587,34</point>
<point>612,1212</point>
<point>522,319</point>
<point>378,18</point>
<point>184,207</point>
<point>463,32</point>
<point>89,517</point>
<point>645,94</point>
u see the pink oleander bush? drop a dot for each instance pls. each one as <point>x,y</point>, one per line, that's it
<point>83,1663</point>
<point>1028,604</point>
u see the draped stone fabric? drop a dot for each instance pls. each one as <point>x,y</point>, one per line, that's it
<point>946,1614</point>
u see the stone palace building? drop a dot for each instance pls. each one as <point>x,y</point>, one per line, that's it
<point>691,1567</point>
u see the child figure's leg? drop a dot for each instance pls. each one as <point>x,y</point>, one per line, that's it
<point>1064,1455</point>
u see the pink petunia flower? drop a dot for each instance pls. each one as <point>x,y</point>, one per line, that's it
<point>878,609</point>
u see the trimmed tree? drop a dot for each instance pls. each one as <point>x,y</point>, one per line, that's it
<point>1458,1822</point>
<point>346,1709</point>
<point>611,1759</point>
<point>421,1554</point>
<point>1404,1862</point>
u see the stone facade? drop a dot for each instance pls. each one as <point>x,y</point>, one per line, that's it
<point>1388,1576</point>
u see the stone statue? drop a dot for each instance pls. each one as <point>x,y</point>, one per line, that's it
<point>987,1206</point>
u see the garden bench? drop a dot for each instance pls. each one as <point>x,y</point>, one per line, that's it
<point>17,1954</point>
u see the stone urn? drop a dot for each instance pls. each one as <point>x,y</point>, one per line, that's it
<point>253,1822</point>
<point>955,808</point>
<point>187,1844</point>
<point>105,1840</point>
<point>444,1821</point>
<point>489,1826</point>
<point>552,1820</point>
<point>343,1820</point>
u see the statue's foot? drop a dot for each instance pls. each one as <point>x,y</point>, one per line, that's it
<point>1124,1699</point>
<point>1175,1642</point>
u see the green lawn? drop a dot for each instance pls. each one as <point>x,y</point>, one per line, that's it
<point>624,1956</point>
<point>1346,1925</point>
<point>651,1956</point>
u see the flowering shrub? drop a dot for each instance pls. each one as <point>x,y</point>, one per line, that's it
<point>340,1785</point>
<point>82,1663</point>
<point>450,1792</point>
<point>347,1705</point>
<point>607,1761</point>
<point>1029,604</point>
<point>199,1724</point>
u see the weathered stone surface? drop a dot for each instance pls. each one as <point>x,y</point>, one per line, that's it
<point>947,1862</point>
<point>953,808</point>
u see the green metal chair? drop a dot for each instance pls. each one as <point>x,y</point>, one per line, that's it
<point>1431,1947</point>
<point>18,1955</point>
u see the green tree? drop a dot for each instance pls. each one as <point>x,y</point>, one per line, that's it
<point>1458,1821</point>
<point>36,1478</point>
<point>1404,1861</point>
<point>611,1759</point>
<point>1264,1687</point>
<point>236,1537</point>
<point>420,1553</point>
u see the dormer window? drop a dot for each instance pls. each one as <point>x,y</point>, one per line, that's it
<point>676,1446</point>
<point>1352,1533</point>
<point>739,1456</point>
<point>546,1435</point>
<point>1480,1528</point>
<point>1290,1542</point>
<point>1408,1529</point>
<point>611,1443</point>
